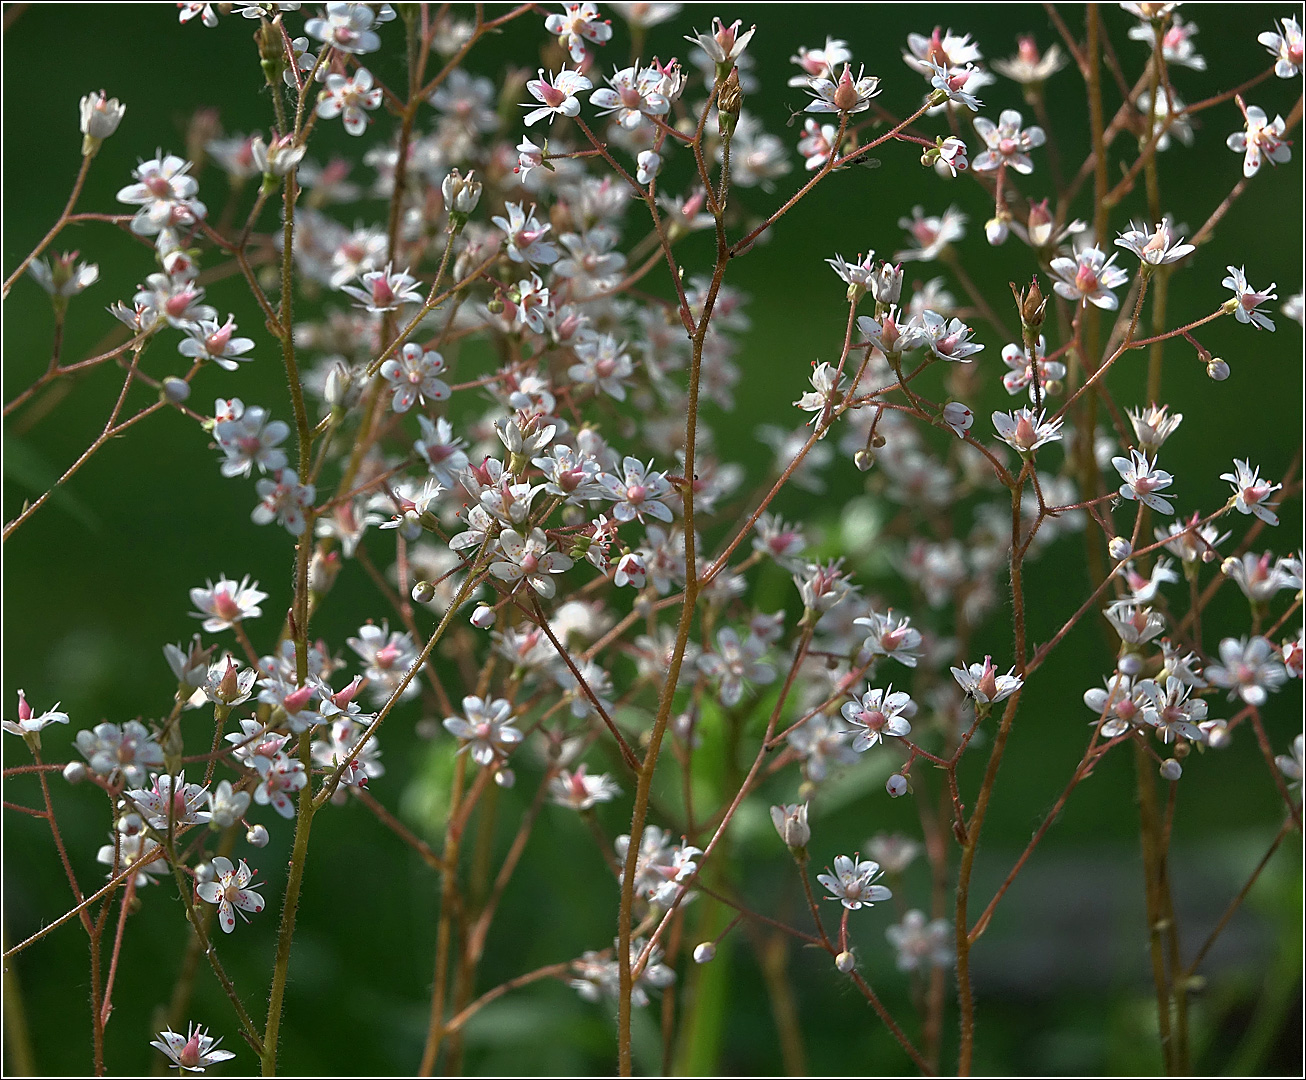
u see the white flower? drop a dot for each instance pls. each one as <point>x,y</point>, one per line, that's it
<point>846,96</point>
<point>385,290</point>
<point>100,116</point>
<point>348,97</point>
<point>1142,480</point>
<point>529,559</point>
<point>791,823</point>
<point>877,714</point>
<point>283,499</point>
<point>1025,430</point>
<point>1172,711</point>
<point>983,683</point>
<point>526,243</point>
<point>1117,706</point>
<point>736,665</point>
<point>1027,67</point>
<point>725,44</point>
<point>165,193</point>
<point>958,417</point>
<point>578,24</point>
<point>231,891</point>
<point>29,722</point>
<point>348,27</point>
<point>1176,42</point>
<point>195,1050</point>
<point>129,750</point>
<point>632,95</point>
<point>251,439</point>
<point>65,277</point>
<point>816,63</point>
<point>1288,46</point>
<point>1248,668</point>
<point>413,377</point>
<point>1291,764</point>
<point>163,803</point>
<point>206,340</point>
<point>891,635</point>
<point>1134,624</point>
<point>1260,138</point>
<point>1007,143</point>
<point>947,339</point>
<point>1022,370</point>
<point>579,791</point>
<point>930,235</point>
<point>486,728</point>
<point>556,93</point>
<point>850,883</point>
<point>1156,249</point>
<point>1250,491</point>
<point>1154,425</point>
<point>226,806</point>
<point>223,605</point>
<point>639,491</point>
<point>951,83</point>
<point>940,47</point>
<point>1089,276</point>
<point>1246,299</point>
<point>920,943</point>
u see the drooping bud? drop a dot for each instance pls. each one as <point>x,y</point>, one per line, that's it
<point>257,836</point>
<point>704,953</point>
<point>423,592</point>
<point>174,390</point>
<point>483,617</point>
<point>1120,548</point>
<point>1217,369</point>
<point>845,962</point>
<point>74,772</point>
<point>1171,769</point>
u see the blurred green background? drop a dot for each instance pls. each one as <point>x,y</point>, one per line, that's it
<point>97,582</point>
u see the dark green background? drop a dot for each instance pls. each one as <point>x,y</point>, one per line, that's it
<point>97,582</point>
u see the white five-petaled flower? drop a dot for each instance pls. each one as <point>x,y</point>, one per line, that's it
<point>819,62</point>
<point>1142,479</point>
<point>231,891</point>
<point>1291,765</point>
<point>163,802</point>
<point>578,24</point>
<point>959,417</point>
<point>1260,139</point>
<point>347,27</point>
<point>941,47</point>
<point>1090,277</point>
<point>579,791</point>
<point>846,96</point>
<point>250,439</point>
<point>725,44</point>
<point>1027,67</point>
<point>983,683</point>
<point>29,722</point>
<point>920,943</point>
<point>384,290</point>
<point>165,193</point>
<point>526,243</point>
<point>851,882</point>
<point>1157,248</point>
<point>129,750</point>
<point>948,339</point>
<point>891,635</point>
<point>930,235</point>
<point>1025,430</point>
<point>1171,710</point>
<point>1246,299</point>
<point>890,335</point>
<point>65,276</point>
<point>529,559</point>
<point>351,98</point>
<point>206,340</point>
<point>951,81</point>
<point>557,94</point>
<point>414,376</point>
<point>639,491</point>
<point>486,728</point>
<point>736,664</point>
<point>1154,425</point>
<point>1134,623</point>
<point>632,95</point>
<point>877,714</point>
<point>223,605</point>
<point>99,116</point>
<point>1176,42</point>
<point>1248,668</point>
<point>1250,491</point>
<point>1118,706</point>
<point>1288,46</point>
<point>1008,144</point>
<point>195,1050</point>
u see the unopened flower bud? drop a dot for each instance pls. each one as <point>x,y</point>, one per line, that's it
<point>1039,224</point>
<point>322,571</point>
<point>1032,304</point>
<point>649,165</point>
<point>423,592</point>
<point>257,835</point>
<point>203,873</point>
<point>74,772</point>
<point>1217,369</point>
<point>337,384</point>
<point>461,194</point>
<point>996,231</point>
<point>791,823</point>
<point>729,102</point>
<point>100,117</point>
<point>173,390</point>
<point>1130,664</point>
<point>896,785</point>
<point>845,962</point>
<point>864,460</point>
<point>704,953</point>
<point>483,617</point>
<point>1120,548</point>
<point>505,778</point>
<point>494,306</point>
<point>886,284</point>
<point>1171,769</point>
